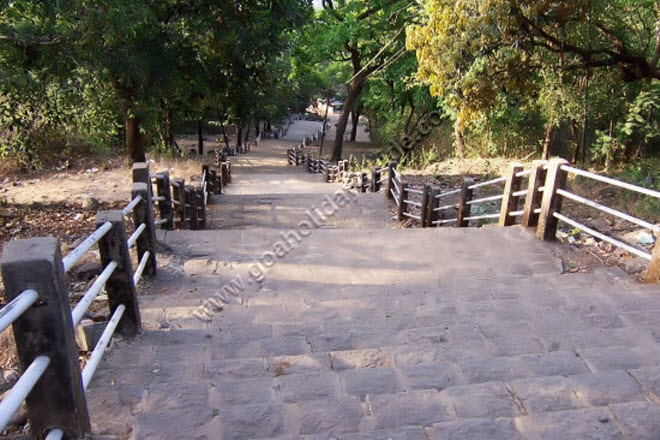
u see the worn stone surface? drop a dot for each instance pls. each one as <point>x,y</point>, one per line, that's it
<point>360,331</point>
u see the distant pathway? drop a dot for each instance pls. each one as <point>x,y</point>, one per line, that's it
<point>361,331</point>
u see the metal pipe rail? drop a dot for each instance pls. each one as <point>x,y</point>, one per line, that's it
<point>97,354</point>
<point>614,212</point>
<point>415,191</point>
<point>138,272</point>
<point>524,173</point>
<point>485,199</point>
<point>442,208</point>
<point>521,193</point>
<point>157,199</point>
<point>516,213</point>
<point>410,202</point>
<point>448,193</point>
<point>129,208</point>
<point>87,299</point>
<point>442,222</point>
<point>86,245</point>
<point>396,199</point>
<point>416,217</point>
<point>19,392</point>
<point>16,307</point>
<point>482,217</point>
<point>133,238</point>
<point>162,221</point>
<point>615,242</point>
<point>620,184</point>
<point>487,183</point>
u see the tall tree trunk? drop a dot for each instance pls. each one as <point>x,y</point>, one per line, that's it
<point>460,141</point>
<point>224,134</point>
<point>355,120</point>
<point>268,126</point>
<point>134,139</point>
<point>239,134</point>
<point>325,123</point>
<point>256,128</point>
<point>547,143</point>
<point>353,93</point>
<point>200,138</point>
<point>576,141</point>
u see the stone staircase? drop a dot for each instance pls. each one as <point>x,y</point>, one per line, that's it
<point>361,331</point>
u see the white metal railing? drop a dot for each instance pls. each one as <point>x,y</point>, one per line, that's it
<point>87,299</point>
<point>131,206</point>
<point>16,307</point>
<point>487,183</point>
<point>485,199</point>
<point>620,184</point>
<point>135,235</point>
<point>97,354</point>
<point>86,245</point>
<point>448,193</point>
<point>442,208</point>
<point>482,217</point>
<point>138,272</point>
<point>19,392</point>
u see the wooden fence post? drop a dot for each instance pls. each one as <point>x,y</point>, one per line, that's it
<point>402,196</point>
<point>463,207</point>
<point>120,286</point>
<point>390,177</point>
<point>225,173</point>
<point>46,329</point>
<point>426,200</point>
<point>551,202</point>
<point>432,215</point>
<point>165,206</point>
<point>191,205</point>
<point>146,242</point>
<point>510,202</point>
<point>534,196</point>
<point>178,194</point>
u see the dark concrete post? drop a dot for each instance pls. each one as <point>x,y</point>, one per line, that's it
<point>551,202</point>
<point>179,197</point>
<point>46,329</point>
<point>510,202</point>
<point>534,196</point>
<point>120,287</point>
<point>390,177</point>
<point>217,187</point>
<point>426,200</point>
<point>375,179</point>
<point>201,207</point>
<point>140,172</point>
<point>143,213</point>
<point>402,196</point>
<point>364,182</point>
<point>165,206</point>
<point>431,214</point>
<point>191,208</point>
<point>463,207</point>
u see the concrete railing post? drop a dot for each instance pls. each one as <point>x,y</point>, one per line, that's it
<point>402,196</point>
<point>534,196</point>
<point>201,208</point>
<point>146,242</point>
<point>433,202</point>
<point>390,177</point>
<point>551,202</point>
<point>140,171</point>
<point>464,198</point>
<point>217,186</point>
<point>165,206</point>
<point>424,210</point>
<point>178,194</point>
<point>120,286</point>
<point>510,202</point>
<point>192,215</point>
<point>364,182</point>
<point>46,329</point>
<point>375,179</point>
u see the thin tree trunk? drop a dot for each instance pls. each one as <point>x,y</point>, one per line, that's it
<point>134,139</point>
<point>411,112</point>
<point>547,143</point>
<point>460,141</point>
<point>325,123</point>
<point>576,141</point>
<point>355,121</point>
<point>239,135</point>
<point>256,129</point>
<point>224,134</point>
<point>353,94</point>
<point>200,138</point>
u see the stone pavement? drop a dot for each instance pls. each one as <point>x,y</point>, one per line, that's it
<point>361,331</point>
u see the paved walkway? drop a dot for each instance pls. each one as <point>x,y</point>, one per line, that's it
<point>362,331</point>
